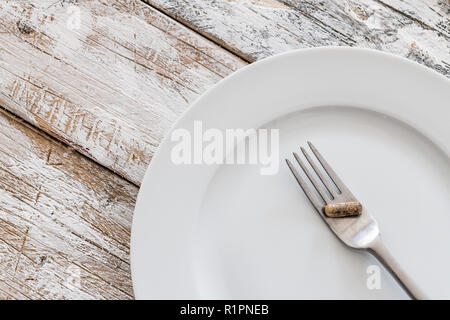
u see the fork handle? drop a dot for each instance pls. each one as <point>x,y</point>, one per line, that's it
<point>379,251</point>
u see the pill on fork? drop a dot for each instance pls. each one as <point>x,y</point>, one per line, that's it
<point>343,209</point>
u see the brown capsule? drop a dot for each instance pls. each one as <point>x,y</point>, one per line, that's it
<point>343,209</point>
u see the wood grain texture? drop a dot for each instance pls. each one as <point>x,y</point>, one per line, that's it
<point>61,216</point>
<point>255,29</point>
<point>110,89</point>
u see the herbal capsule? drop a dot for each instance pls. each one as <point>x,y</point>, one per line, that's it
<point>343,209</point>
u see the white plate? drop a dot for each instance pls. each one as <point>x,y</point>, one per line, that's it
<point>226,231</point>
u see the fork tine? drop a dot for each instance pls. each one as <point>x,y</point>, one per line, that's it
<point>311,195</point>
<point>319,173</point>
<point>337,181</point>
<point>324,196</point>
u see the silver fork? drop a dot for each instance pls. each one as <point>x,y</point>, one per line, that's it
<point>358,232</point>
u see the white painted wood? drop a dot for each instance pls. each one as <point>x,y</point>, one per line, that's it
<point>60,214</point>
<point>110,89</point>
<point>255,29</point>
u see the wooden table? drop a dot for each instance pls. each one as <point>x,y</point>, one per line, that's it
<point>89,88</point>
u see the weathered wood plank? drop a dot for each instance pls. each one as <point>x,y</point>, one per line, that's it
<point>62,218</point>
<point>431,14</point>
<point>110,88</point>
<point>255,29</point>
